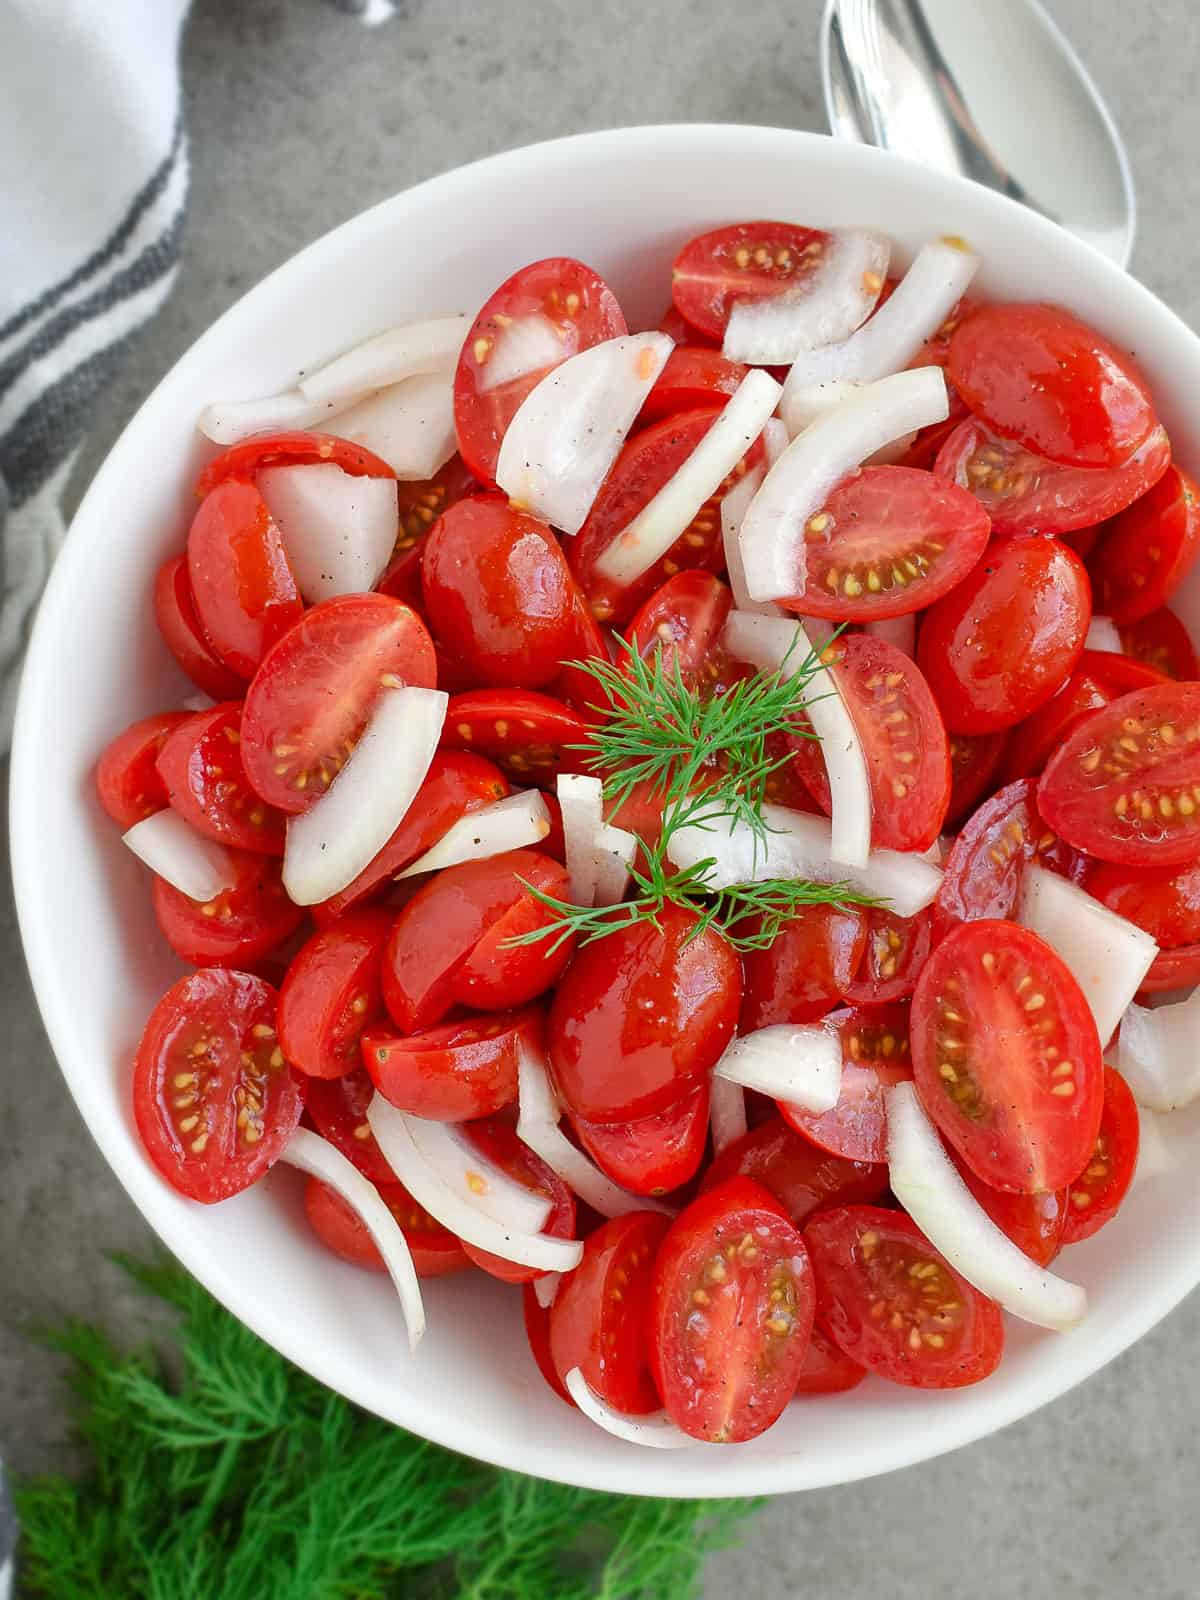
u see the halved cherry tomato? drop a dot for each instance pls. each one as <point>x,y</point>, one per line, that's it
<point>435,1250</point>
<point>1143,554</point>
<point>902,736</point>
<point>1118,674</point>
<point>497,1141</point>
<point>575,684</point>
<point>1037,374</point>
<point>337,1108</point>
<point>312,696</point>
<point>974,761</point>
<point>179,624</point>
<point>1006,1057</point>
<point>826,1369</point>
<point>201,764</point>
<point>289,449</point>
<point>732,1313</point>
<point>1101,676</point>
<point>421,504</point>
<point>1165,901</point>
<point>893,954</point>
<point>558,296</point>
<point>888,541</point>
<point>692,377</point>
<point>1125,786</point>
<point>242,586</point>
<point>498,593</point>
<point>801,1176</point>
<point>875,1055</point>
<point>1034,1222</point>
<point>654,1154</point>
<point>800,975</point>
<point>537,1332</point>
<point>679,329</point>
<point>1009,635</point>
<point>742,262</point>
<point>332,993</point>
<point>598,1321</point>
<point>1096,1195</point>
<point>239,926</point>
<point>684,621</point>
<point>451,1072</point>
<point>528,735</point>
<point>1024,493</point>
<point>1161,641</point>
<point>213,1098</point>
<point>640,1014</point>
<point>433,961</point>
<point>896,1306</point>
<point>128,781</point>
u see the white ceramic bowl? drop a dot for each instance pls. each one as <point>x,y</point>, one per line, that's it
<point>623,201</point>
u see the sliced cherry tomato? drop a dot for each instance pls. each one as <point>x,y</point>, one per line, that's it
<point>800,975</point>
<point>435,1250</point>
<point>243,589</point>
<point>575,684</point>
<point>655,1154</point>
<point>886,1309</point>
<point>1161,641</point>
<point>537,1331</point>
<point>421,504</point>
<point>640,1014</point>
<point>213,1098</point>
<point>1096,1195</point>
<point>801,1176</point>
<point>888,541</point>
<point>902,736</point>
<point>1144,553</point>
<point>598,1321</point>
<point>557,296</point>
<point>239,926</point>
<point>312,696</point>
<point>1034,1222</point>
<point>451,1072</point>
<point>1006,1057</point>
<point>127,778</point>
<point>289,449</point>
<point>1040,376</point>
<point>1101,676</point>
<point>875,1055</point>
<point>692,377</point>
<point>179,624</point>
<point>1008,637</point>
<point>1165,901</point>
<point>497,1141</point>
<point>1118,674</point>
<point>679,329</point>
<point>974,761</point>
<point>332,993</point>
<point>1125,786</point>
<point>1024,493</point>
<point>337,1108</point>
<point>742,262</point>
<point>894,952</point>
<point>684,621</point>
<point>826,1369</point>
<point>528,735</point>
<point>433,960</point>
<point>732,1313</point>
<point>201,765</point>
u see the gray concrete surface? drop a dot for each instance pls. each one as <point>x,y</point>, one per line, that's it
<point>300,118</point>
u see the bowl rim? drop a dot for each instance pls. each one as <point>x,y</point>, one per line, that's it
<point>770,1472</point>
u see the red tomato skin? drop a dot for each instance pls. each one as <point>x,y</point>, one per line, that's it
<point>337,1109</point>
<point>680,329</point>
<point>800,975</point>
<point>421,504</point>
<point>537,1332</point>
<point>1144,553</point>
<point>1097,1195</point>
<point>452,1072</point>
<point>717,270</point>
<point>236,929</point>
<point>1160,641</point>
<point>332,993</point>
<point>757,1310</point>
<point>683,621</point>
<point>801,1176</point>
<point>974,762</point>
<point>175,613</point>
<point>127,778</point>
<point>875,1055</point>
<point>826,1369</point>
<point>497,1141</point>
<point>1032,742</point>
<point>435,1251</point>
<point>598,1321</point>
<point>639,1015</point>
<point>1035,1223</point>
<point>530,736</point>
<point>1037,374</point>
<point>200,764</point>
<point>692,377</point>
<point>894,952</point>
<point>655,1154</point>
<point>290,448</point>
<point>242,586</point>
<point>1165,901</point>
<point>1008,637</point>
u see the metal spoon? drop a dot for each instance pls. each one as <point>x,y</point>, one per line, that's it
<point>987,89</point>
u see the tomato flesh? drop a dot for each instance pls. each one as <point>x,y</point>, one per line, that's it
<point>128,781</point>
<point>655,1154</point>
<point>801,1176</point>
<point>243,589</point>
<point>202,767</point>
<point>1097,1193</point>
<point>801,974</point>
<point>421,504</point>
<point>435,1250</point>
<point>875,1055</point>
<point>1165,901</point>
<point>529,736</point>
<point>179,624</point>
<point>291,448</point>
<point>983,874</point>
<point>1036,1223</point>
<point>497,1141</point>
<point>744,262</point>
<point>826,1369</point>
<point>893,954</point>
<point>974,761</point>
<point>332,992</point>
<point>1143,554</point>
<point>239,926</point>
<point>452,1072</point>
<point>692,377</point>
<point>337,1108</point>
<point>1161,642</point>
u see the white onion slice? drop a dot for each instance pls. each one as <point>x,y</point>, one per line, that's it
<point>803,406</point>
<point>319,1159</point>
<point>798,846</point>
<point>510,824</point>
<point>924,1180</point>
<point>525,345</point>
<point>568,429</point>
<point>655,1429</point>
<point>823,308</point>
<point>1102,635</point>
<point>231,421</point>
<point>476,1181</point>
<point>198,867</point>
<point>409,425</point>
<point>581,800</point>
<point>339,531</point>
<point>1107,955</point>
<point>460,1212</point>
<point>615,850</point>
<point>388,358</point>
<point>775,439</point>
<point>898,631</point>
<point>1159,1053</point>
<point>797,486</point>
<point>666,517</point>
<point>937,280</point>
<point>726,1113</point>
<point>781,644</point>
<point>545,1289</point>
<point>802,1064</point>
<point>733,510</point>
<point>328,846</point>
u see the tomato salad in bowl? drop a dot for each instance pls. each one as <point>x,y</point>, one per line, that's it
<point>692,823</point>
